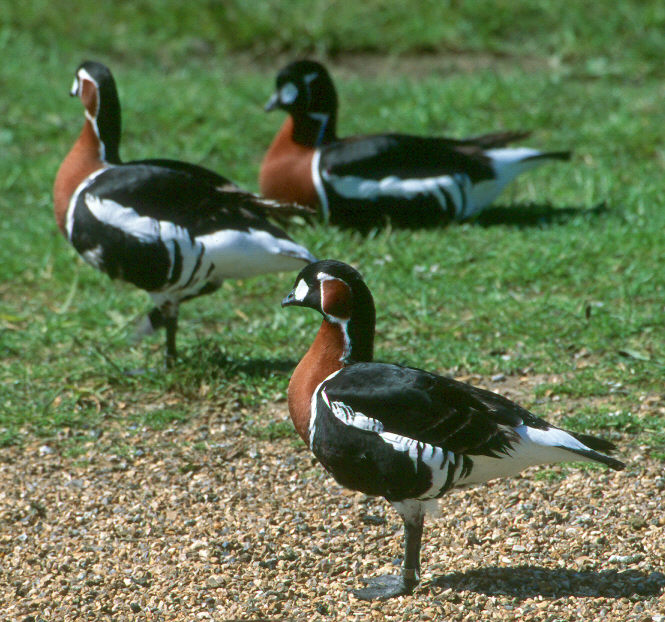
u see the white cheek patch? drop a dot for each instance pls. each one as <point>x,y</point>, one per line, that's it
<point>75,87</point>
<point>288,93</point>
<point>301,291</point>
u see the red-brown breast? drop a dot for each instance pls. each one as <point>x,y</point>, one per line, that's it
<point>83,159</point>
<point>286,170</point>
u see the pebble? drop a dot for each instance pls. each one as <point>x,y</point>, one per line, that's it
<point>626,559</point>
<point>285,542</point>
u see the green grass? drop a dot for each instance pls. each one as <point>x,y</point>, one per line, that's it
<point>569,289</point>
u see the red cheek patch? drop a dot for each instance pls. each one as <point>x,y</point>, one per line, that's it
<point>89,97</point>
<point>336,298</point>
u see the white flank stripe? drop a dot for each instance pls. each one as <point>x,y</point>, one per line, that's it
<point>143,228</point>
<point>352,187</point>
<point>318,185</point>
<point>69,224</point>
<point>421,454</point>
<point>348,416</point>
<point>312,408</point>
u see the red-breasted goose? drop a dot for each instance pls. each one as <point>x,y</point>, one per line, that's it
<point>173,229</point>
<point>403,433</point>
<point>359,180</point>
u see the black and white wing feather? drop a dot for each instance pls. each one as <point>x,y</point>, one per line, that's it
<point>426,433</point>
<point>411,179</point>
<point>416,180</point>
<point>161,228</point>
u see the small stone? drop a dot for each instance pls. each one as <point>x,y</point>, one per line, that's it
<point>626,559</point>
<point>215,581</point>
<point>135,607</point>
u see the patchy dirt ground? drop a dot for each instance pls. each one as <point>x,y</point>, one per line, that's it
<point>203,522</point>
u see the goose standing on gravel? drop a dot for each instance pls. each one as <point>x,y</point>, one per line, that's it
<point>358,180</point>
<point>402,433</point>
<point>173,229</point>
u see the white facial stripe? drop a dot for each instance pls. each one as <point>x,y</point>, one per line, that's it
<point>323,119</point>
<point>75,87</point>
<point>310,77</point>
<point>288,93</point>
<point>84,75</point>
<point>301,291</point>
<point>343,323</point>
<point>312,411</point>
<point>324,276</point>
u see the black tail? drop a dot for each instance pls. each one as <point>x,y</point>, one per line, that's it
<point>551,155</point>
<point>496,139</point>
<point>595,446</point>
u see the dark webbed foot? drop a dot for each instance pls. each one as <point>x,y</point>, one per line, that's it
<point>385,586</point>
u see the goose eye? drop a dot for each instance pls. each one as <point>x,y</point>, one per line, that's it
<point>288,93</point>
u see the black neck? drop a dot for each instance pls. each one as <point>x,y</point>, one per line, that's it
<point>314,129</point>
<point>360,328</point>
<point>109,122</point>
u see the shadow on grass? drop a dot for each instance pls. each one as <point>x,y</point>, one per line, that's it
<point>520,216</point>
<point>207,358</point>
<point>535,215</point>
<point>528,581</point>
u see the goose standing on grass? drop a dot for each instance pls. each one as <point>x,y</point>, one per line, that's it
<point>358,180</point>
<point>402,433</point>
<point>173,229</point>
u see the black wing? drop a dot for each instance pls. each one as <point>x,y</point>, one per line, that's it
<point>406,157</point>
<point>179,197</point>
<point>493,140</point>
<point>199,172</point>
<point>429,408</point>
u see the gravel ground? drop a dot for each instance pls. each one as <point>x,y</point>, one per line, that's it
<point>203,522</point>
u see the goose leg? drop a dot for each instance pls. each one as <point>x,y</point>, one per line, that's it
<point>148,324</point>
<point>170,316</point>
<point>389,586</point>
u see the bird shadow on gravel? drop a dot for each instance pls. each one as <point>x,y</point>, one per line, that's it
<point>524,582</point>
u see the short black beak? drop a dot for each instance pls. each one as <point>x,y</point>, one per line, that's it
<point>290,299</point>
<point>272,103</point>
